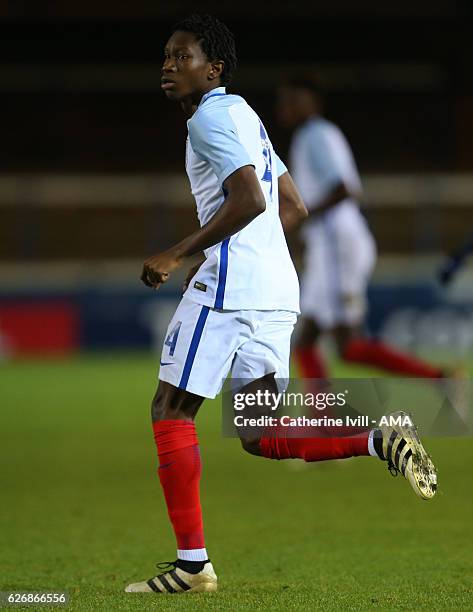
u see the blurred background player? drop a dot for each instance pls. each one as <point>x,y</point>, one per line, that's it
<point>340,252</point>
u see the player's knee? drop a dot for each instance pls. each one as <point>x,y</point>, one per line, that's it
<point>303,342</point>
<point>162,408</point>
<point>307,332</point>
<point>157,409</point>
<point>172,403</point>
<point>251,445</point>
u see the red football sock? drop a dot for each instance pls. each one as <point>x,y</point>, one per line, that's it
<point>375,353</point>
<point>277,443</point>
<point>179,472</point>
<point>310,362</point>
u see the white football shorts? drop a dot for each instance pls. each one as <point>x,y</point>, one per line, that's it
<point>339,259</point>
<point>204,344</point>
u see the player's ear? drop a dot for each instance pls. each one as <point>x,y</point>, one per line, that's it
<point>216,69</point>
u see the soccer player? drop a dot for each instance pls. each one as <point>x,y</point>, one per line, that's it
<point>340,252</point>
<point>240,304</point>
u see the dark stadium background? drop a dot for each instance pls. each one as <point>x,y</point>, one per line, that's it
<point>91,176</point>
<point>92,182</point>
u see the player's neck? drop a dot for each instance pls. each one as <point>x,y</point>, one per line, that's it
<point>189,107</point>
<point>306,117</point>
<point>190,104</point>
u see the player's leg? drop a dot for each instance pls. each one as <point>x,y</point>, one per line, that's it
<point>355,256</point>
<point>189,373</point>
<point>315,307</point>
<point>397,443</point>
<point>284,442</point>
<point>173,411</point>
<point>309,359</point>
<point>267,355</point>
<point>264,360</point>
<point>353,347</point>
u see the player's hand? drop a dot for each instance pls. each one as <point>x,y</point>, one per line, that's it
<point>190,274</point>
<point>157,269</point>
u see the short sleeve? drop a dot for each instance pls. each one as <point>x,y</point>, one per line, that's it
<point>280,166</point>
<point>323,158</point>
<point>214,137</point>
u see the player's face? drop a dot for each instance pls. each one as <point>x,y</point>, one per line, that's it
<point>185,68</point>
<point>293,106</point>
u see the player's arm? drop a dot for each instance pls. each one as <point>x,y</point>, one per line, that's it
<point>324,156</point>
<point>292,210</point>
<point>213,137</point>
<point>335,195</point>
<point>244,201</point>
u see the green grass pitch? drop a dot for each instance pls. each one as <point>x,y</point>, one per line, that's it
<point>81,507</point>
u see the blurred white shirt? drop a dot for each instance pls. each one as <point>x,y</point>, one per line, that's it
<point>320,158</point>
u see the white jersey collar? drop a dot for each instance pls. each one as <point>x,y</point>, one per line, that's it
<point>218,91</point>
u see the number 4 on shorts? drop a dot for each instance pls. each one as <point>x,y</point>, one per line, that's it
<point>171,340</point>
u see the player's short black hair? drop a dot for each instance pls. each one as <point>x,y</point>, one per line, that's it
<point>215,39</point>
<point>307,81</point>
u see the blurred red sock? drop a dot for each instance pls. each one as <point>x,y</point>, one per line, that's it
<point>179,472</point>
<point>375,353</point>
<point>277,443</point>
<point>310,362</point>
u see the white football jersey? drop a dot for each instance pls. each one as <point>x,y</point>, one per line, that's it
<point>320,157</point>
<point>251,269</point>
